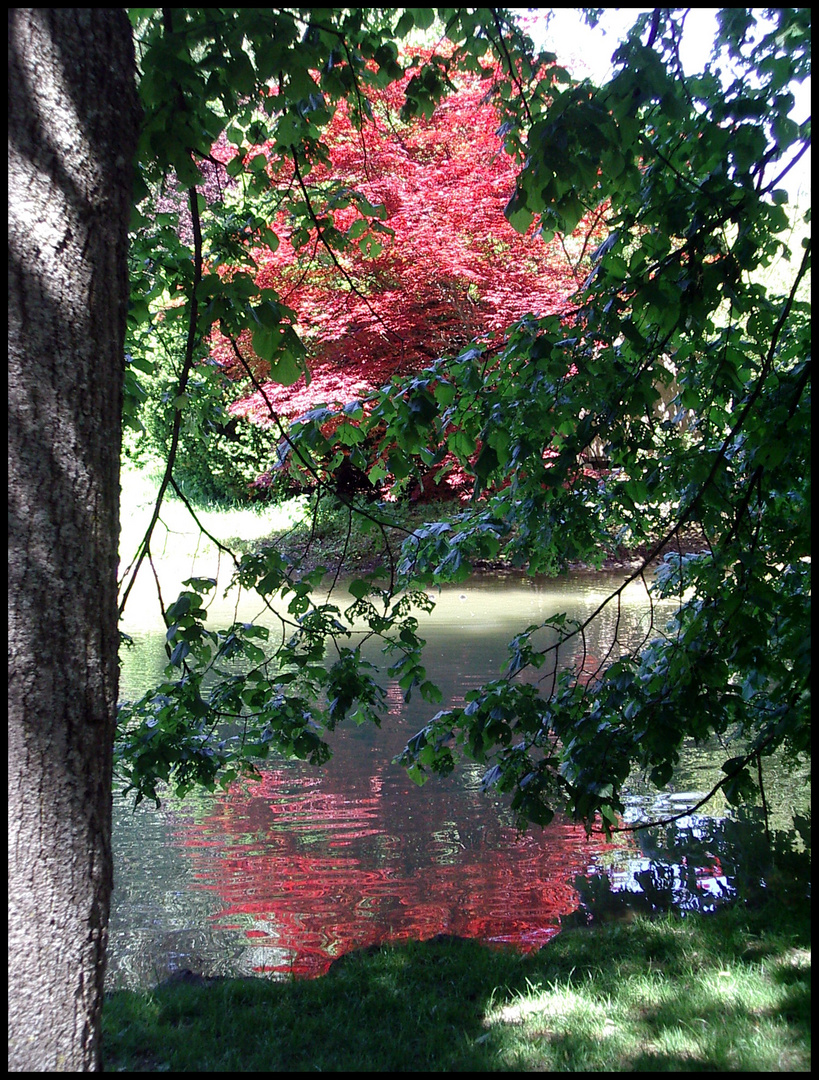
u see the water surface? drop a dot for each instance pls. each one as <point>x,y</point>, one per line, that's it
<point>286,874</point>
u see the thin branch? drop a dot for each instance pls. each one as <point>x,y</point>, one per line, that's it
<point>762,794</point>
<point>218,543</point>
<point>332,254</point>
<point>787,169</point>
<point>180,390</point>
<point>706,799</point>
<point>512,73</point>
<point>676,38</point>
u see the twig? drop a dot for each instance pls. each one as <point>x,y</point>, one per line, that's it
<point>334,257</point>
<point>707,798</point>
<point>181,384</point>
<point>762,794</point>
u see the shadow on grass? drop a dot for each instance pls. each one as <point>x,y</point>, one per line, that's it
<point>729,991</point>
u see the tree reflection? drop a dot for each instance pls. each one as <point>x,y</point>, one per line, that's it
<point>311,869</point>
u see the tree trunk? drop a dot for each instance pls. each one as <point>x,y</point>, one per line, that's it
<point>73,124</point>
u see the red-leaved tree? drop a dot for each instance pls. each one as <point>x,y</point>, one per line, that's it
<point>434,267</point>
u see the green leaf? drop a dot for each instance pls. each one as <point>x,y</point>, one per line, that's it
<point>201,584</point>
<point>370,247</point>
<point>141,364</point>
<point>404,25</point>
<point>286,369</point>
<point>516,212</point>
<point>486,463</point>
<point>359,589</point>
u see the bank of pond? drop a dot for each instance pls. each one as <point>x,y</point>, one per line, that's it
<point>344,918</point>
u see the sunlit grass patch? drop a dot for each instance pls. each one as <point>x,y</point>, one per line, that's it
<point>697,1010</point>
<point>177,533</point>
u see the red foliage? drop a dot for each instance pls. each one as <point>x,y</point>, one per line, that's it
<point>313,866</point>
<point>453,270</point>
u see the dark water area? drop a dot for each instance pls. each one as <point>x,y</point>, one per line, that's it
<point>284,875</point>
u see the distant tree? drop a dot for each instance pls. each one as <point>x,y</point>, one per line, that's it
<point>73,122</point>
<point>434,265</point>
<point>438,267</point>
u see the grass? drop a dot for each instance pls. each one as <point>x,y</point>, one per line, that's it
<point>329,537</point>
<point>321,538</point>
<point>727,992</point>
<point>177,531</point>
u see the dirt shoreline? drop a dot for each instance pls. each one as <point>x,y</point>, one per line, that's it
<point>627,559</point>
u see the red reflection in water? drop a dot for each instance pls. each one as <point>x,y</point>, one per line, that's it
<point>314,865</point>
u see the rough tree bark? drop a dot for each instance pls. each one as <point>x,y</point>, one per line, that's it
<point>73,124</point>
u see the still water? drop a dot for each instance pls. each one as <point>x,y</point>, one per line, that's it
<point>286,874</point>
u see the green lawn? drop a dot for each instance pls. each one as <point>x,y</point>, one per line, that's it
<point>728,992</point>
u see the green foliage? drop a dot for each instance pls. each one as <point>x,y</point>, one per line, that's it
<point>219,456</point>
<point>691,374</point>
<point>696,381</point>
<point>693,214</point>
<point>229,697</point>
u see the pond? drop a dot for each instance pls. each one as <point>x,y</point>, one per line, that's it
<point>284,875</point>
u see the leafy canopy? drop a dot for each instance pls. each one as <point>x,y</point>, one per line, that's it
<point>678,358</point>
